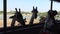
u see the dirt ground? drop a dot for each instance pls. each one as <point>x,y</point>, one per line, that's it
<point>16,24</point>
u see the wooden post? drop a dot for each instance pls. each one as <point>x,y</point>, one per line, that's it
<point>5,13</point>
<point>51,4</point>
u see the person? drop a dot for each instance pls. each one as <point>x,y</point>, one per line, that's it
<point>50,20</point>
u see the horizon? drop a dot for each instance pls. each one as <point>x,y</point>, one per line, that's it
<point>42,5</point>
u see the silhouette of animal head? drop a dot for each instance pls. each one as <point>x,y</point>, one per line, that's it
<point>17,15</point>
<point>52,13</point>
<point>35,11</point>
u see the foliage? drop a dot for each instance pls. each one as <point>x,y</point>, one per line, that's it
<point>42,14</point>
<point>39,13</point>
<point>26,13</point>
<point>1,12</point>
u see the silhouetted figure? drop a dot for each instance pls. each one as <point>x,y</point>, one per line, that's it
<point>17,17</point>
<point>34,15</point>
<point>50,21</point>
<point>50,18</point>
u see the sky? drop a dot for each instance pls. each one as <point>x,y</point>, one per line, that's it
<point>27,5</point>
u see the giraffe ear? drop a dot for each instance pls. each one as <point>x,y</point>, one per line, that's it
<point>19,10</point>
<point>16,9</point>
<point>36,8</point>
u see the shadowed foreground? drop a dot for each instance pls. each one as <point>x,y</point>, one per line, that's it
<point>28,29</point>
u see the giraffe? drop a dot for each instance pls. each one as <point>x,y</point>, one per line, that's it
<point>34,15</point>
<point>18,17</point>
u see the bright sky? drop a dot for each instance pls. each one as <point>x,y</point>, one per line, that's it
<point>27,5</point>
